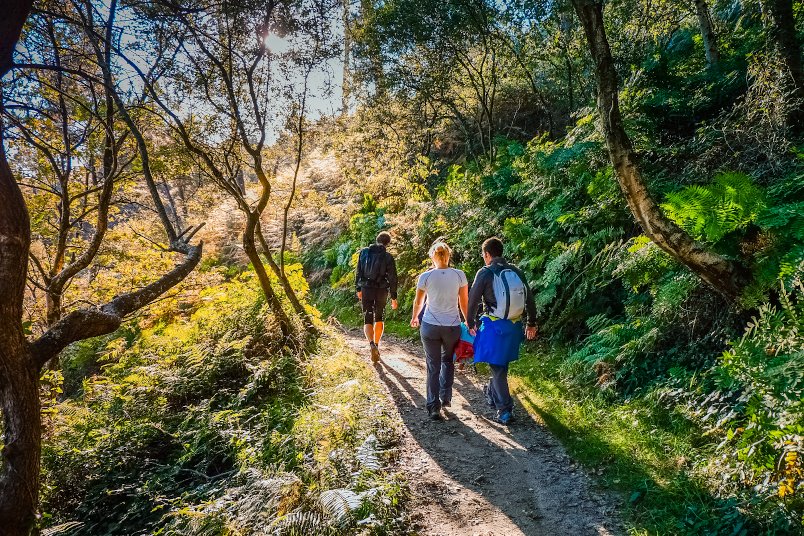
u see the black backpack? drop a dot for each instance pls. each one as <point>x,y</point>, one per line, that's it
<point>373,265</point>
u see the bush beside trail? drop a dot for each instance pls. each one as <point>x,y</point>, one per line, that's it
<point>627,321</point>
<point>207,424</point>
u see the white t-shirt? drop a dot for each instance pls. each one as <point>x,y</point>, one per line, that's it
<point>442,287</point>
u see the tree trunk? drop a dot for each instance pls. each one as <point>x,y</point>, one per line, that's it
<point>250,248</point>
<point>346,82</point>
<point>782,30</point>
<point>19,392</point>
<point>707,33</point>
<point>19,385</point>
<point>19,398</point>
<point>298,307</point>
<point>723,275</point>
<point>368,14</point>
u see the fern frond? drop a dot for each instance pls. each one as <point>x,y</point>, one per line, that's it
<point>340,503</point>
<point>61,529</point>
<point>711,212</point>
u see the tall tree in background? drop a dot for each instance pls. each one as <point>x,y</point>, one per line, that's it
<point>725,276</point>
<point>781,25</point>
<point>346,80</point>
<point>708,34</point>
<point>230,58</point>
<point>22,360</point>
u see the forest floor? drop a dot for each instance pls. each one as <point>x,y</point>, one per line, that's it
<point>471,476</point>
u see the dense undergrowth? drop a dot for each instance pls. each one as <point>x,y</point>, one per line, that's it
<point>207,423</point>
<point>715,388</point>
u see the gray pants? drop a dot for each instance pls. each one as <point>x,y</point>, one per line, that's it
<point>439,345</point>
<point>498,388</point>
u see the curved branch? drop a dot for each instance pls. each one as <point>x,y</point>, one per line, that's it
<point>92,322</point>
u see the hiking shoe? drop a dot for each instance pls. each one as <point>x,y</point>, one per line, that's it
<point>375,353</point>
<point>446,404</point>
<point>435,415</point>
<point>504,417</point>
<point>489,400</point>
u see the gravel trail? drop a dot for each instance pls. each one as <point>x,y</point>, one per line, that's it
<point>472,477</point>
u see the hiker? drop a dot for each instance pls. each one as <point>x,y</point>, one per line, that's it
<point>447,292</point>
<point>375,279</point>
<point>506,298</point>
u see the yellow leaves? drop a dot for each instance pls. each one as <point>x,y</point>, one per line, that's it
<point>786,487</point>
<point>792,475</point>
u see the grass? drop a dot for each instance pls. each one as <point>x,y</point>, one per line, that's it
<point>345,410</point>
<point>637,447</point>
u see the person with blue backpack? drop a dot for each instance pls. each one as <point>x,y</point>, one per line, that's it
<point>503,291</point>
<point>375,279</point>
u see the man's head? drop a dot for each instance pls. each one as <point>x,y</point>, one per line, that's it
<point>492,247</point>
<point>384,238</point>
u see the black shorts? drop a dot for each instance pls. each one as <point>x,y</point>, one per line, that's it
<point>374,304</point>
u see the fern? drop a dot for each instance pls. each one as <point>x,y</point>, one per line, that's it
<point>64,528</point>
<point>340,503</point>
<point>367,454</point>
<point>711,212</point>
<point>299,523</point>
<point>785,219</point>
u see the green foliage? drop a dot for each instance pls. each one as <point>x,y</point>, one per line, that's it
<point>209,424</point>
<point>640,447</point>
<point>640,330</point>
<point>763,433</point>
<point>730,203</point>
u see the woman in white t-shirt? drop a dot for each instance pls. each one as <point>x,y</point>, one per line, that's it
<point>447,292</point>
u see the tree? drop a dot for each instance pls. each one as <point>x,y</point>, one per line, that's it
<point>781,26</point>
<point>707,32</point>
<point>21,360</point>
<point>725,276</point>
<point>222,50</point>
<point>63,119</point>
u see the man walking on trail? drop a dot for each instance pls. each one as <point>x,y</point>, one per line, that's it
<point>375,279</point>
<point>506,298</point>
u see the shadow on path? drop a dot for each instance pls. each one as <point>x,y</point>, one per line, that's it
<point>470,476</point>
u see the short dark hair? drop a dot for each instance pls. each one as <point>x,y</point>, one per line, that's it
<point>493,246</point>
<point>384,238</point>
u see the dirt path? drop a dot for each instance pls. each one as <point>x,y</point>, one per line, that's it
<point>472,477</point>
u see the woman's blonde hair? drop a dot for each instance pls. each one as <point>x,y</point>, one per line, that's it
<point>441,251</point>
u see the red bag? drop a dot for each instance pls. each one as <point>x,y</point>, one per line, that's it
<point>464,351</point>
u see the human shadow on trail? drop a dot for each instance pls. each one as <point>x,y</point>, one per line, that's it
<point>508,466</point>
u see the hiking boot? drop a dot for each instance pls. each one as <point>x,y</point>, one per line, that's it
<point>375,353</point>
<point>435,415</point>
<point>489,400</point>
<point>504,417</point>
<point>446,404</point>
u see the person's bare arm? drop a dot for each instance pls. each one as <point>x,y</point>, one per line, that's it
<point>418,303</point>
<point>463,300</point>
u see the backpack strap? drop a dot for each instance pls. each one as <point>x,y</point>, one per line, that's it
<point>497,272</point>
<point>362,260</point>
<point>507,293</point>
